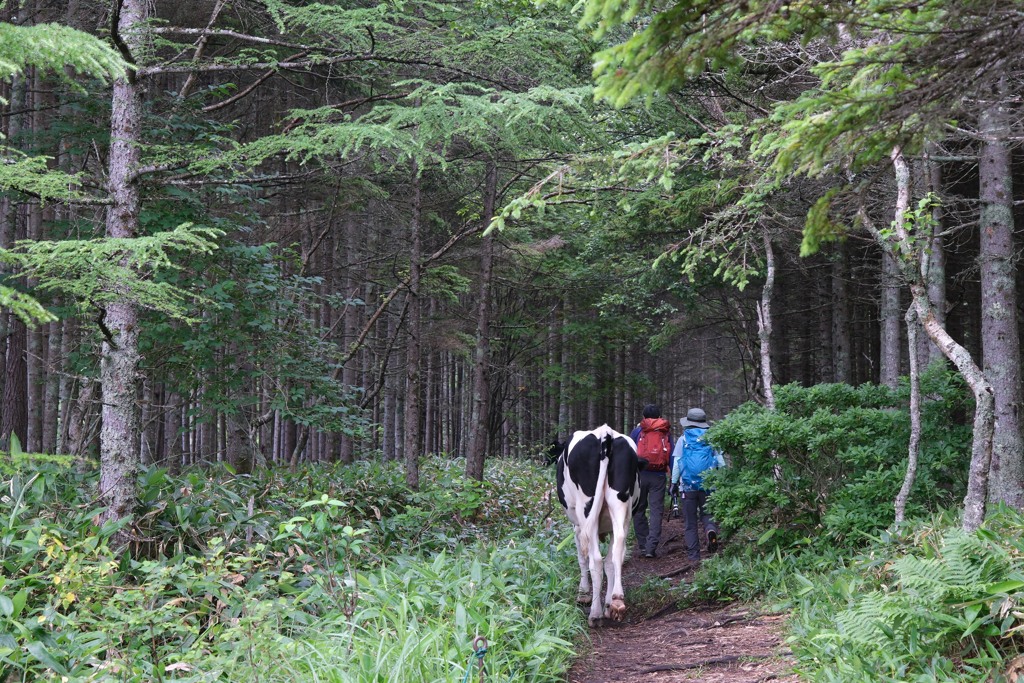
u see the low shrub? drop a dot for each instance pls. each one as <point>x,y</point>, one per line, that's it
<point>826,465</point>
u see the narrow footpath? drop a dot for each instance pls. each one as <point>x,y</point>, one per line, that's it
<point>729,644</point>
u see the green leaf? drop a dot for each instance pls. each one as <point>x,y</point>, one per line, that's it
<point>16,445</point>
<point>39,651</point>
<point>1004,587</point>
<point>18,601</point>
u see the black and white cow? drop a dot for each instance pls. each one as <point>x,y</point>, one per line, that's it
<point>597,485</point>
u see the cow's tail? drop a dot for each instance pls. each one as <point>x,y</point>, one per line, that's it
<point>592,522</point>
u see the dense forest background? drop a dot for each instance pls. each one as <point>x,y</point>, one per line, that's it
<point>292,293</point>
<point>303,194</point>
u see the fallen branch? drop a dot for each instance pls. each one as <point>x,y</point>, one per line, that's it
<point>676,572</point>
<point>703,663</point>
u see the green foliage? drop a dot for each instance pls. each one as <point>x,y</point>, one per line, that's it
<point>747,573</point>
<point>96,272</point>
<point>688,38</point>
<point>286,576</point>
<point>930,604</point>
<point>28,310</point>
<point>52,48</point>
<point>650,596</point>
<point>430,611</point>
<point>421,126</point>
<point>252,327</point>
<point>851,120</point>
<point>840,456</point>
<point>33,175</point>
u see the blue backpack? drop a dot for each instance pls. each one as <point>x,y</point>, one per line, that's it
<point>698,457</point>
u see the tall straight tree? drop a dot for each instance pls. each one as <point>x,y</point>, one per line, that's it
<point>999,331</point>
<point>889,314</point>
<point>413,355</point>
<point>119,364</point>
<point>479,421</point>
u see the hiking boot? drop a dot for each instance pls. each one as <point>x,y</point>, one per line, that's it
<point>650,553</point>
<point>712,541</point>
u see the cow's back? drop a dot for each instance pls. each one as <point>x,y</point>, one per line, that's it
<point>579,469</point>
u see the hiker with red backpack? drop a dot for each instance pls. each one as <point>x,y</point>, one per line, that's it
<point>653,440</point>
<point>691,458</point>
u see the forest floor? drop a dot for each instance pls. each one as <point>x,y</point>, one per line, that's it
<point>663,644</point>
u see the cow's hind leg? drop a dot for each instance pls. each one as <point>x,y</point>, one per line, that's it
<point>583,595</point>
<point>615,599</point>
<point>596,572</point>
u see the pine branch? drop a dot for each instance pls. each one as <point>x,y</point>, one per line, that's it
<point>206,33</point>
<point>402,284</point>
<point>308,64</point>
<point>248,90</point>
<point>200,49</point>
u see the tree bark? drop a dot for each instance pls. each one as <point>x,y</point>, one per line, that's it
<point>479,420</point>
<point>14,398</point>
<point>13,404</point>
<point>411,435</point>
<point>935,259</point>
<point>999,335</point>
<point>914,444</point>
<point>889,318</point>
<point>764,323</point>
<point>984,403</point>
<point>841,348</point>
<point>51,394</point>
<point>119,364</point>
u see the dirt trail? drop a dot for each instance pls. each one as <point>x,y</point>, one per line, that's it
<point>733,644</point>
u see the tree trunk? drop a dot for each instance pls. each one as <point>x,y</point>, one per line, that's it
<point>841,343</point>
<point>351,324</point>
<point>984,403</point>
<point>984,411</point>
<point>479,422</point>
<point>914,444</point>
<point>889,318</point>
<point>565,427</point>
<point>13,404</point>
<point>51,398</point>
<point>999,335</point>
<point>936,256</point>
<point>764,323</point>
<point>392,382</point>
<point>411,435</point>
<point>119,364</point>
<point>14,398</point>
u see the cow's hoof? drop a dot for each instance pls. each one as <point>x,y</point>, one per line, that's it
<point>617,610</point>
<point>584,598</point>
<point>593,621</point>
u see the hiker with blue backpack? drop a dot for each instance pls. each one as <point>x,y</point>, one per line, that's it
<point>691,458</point>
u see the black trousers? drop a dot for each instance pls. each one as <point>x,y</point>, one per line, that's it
<point>652,497</point>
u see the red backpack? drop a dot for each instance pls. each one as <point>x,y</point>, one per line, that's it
<point>653,444</point>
